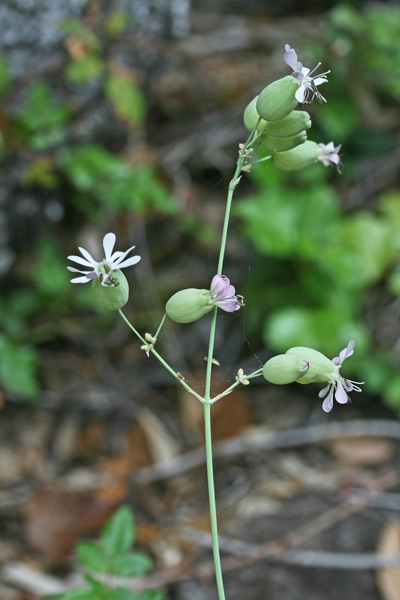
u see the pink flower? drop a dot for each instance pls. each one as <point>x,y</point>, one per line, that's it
<point>104,268</point>
<point>308,82</point>
<point>223,294</point>
<point>338,385</point>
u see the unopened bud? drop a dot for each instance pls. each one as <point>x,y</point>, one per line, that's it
<point>280,144</point>
<point>189,305</point>
<point>293,123</point>
<point>285,368</point>
<point>113,296</point>
<point>297,158</point>
<point>277,100</point>
<point>251,116</point>
<point>320,366</point>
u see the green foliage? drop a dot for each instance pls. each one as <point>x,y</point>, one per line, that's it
<point>126,99</point>
<point>112,556</point>
<point>18,369</point>
<point>112,182</point>
<point>5,77</point>
<point>322,264</point>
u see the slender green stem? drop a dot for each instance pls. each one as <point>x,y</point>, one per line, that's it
<point>160,325</point>
<point>211,496</point>
<point>160,358</point>
<point>234,385</point>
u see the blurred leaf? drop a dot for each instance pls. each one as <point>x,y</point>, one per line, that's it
<point>131,564</point>
<point>93,557</point>
<point>40,172</point>
<point>339,118</point>
<point>116,23</point>
<point>84,70</point>
<point>119,533</point>
<point>83,594</point>
<point>50,272</point>
<point>126,98</point>
<point>151,595</point>
<point>18,369</point>
<point>5,76</point>
<point>120,593</point>
<point>97,586</point>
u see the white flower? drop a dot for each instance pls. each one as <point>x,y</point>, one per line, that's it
<point>105,268</point>
<point>329,154</point>
<point>338,386</point>
<point>308,82</point>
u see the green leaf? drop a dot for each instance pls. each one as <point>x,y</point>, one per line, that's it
<point>151,595</point>
<point>82,594</point>
<point>126,99</point>
<point>5,77</point>
<point>97,586</point>
<point>116,23</point>
<point>131,564</point>
<point>18,369</point>
<point>121,593</point>
<point>86,69</point>
<point>118,533</point>
<point>93,557</point>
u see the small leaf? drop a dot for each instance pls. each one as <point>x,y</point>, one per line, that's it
<point>131,565</point>
<point>92,557</point>
<point>18,369</point>
<point>96,585</point>
<point>121,593</point>
<point>118,534</point>
<point>150,595</point>
<point>126,99</point>
<point>82,594</point>
<point>86,69</point>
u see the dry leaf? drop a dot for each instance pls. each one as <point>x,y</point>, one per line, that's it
<point>389,579</point>
<point>362,450</point>
<point>161,443</point>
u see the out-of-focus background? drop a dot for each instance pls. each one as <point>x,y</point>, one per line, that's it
<point>126,116</point>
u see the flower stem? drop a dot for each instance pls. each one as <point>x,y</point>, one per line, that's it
<point>160,358</point>
<point>211,496</point>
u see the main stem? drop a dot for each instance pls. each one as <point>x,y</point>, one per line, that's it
<point>207,394</point>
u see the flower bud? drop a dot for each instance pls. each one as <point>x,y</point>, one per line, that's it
<point>295,122</point>
<point>297,158</point>
<point>285,368</point>
<point>111,297</point>
<point>280,144</point>
<point>189,305</point>
<point>277,100</point>
<point>251,116</point>
<point>320,366</point>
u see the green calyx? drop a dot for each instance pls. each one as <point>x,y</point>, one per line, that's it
<point>290,125</point>
<point>189,305</point>
<point>251,116</point>
<point>277,100</point>
<point>279,144</point>
<point>321,368</point>
<point>285,368</point>
<point>111,297</point>
<point>297,158</point>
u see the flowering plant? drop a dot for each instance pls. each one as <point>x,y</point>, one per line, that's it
<point>272,121</point>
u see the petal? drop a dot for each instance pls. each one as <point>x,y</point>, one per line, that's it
<point>219,287</point>
<point>88,256</point>
<point>108,244</point>
<point>346,352</point>
<point>73,270</point>
<point>300,94</point>
<point>117,257</point>
<point>320,80</point>
<point>327,404</point>
<point>129,262</point>
<point>325,390</point>
<point>290,58</point>
<point>80,280</point>
<point>228,305</point>
<point>340,394</point>
<point>82,261</point>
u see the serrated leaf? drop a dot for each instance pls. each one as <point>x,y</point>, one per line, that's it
<point>93,557</point>
<point>118,533</point>
<point>131,564</point>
